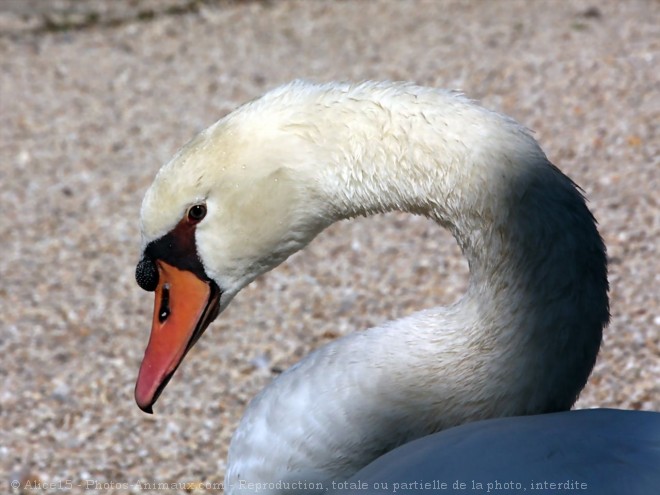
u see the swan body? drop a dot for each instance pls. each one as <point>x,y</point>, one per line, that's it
<point>609,452</point>
<point>262,182</point>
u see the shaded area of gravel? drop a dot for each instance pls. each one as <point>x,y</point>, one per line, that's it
<point>87,116</point>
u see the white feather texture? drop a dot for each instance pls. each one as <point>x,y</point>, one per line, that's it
<point>521,341</point>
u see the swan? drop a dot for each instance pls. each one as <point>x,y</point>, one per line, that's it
<point>262,182</point>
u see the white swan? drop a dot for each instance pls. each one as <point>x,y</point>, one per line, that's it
<point>262,182</point>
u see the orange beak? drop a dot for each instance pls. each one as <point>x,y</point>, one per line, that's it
<point>183,308</point>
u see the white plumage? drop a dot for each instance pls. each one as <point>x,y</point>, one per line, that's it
<point>522,340</point>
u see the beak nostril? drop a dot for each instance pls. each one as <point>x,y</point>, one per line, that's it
<point>164,310</point>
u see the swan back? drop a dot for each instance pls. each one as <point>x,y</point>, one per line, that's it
<point>603,451</point>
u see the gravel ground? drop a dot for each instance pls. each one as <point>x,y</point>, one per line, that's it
<point>94,99</point>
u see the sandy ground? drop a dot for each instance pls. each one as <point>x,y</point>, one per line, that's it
<point>95,98</point>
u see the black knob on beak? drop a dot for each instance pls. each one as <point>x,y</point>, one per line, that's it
<point>146,274</point>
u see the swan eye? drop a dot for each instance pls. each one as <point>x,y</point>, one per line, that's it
<point>196,213</point>
<point>146,274</point>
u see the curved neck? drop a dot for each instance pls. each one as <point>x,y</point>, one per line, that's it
<point>522,340</point>
<point>538,270</point>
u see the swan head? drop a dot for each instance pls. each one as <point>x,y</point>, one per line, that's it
<point>224,210</point>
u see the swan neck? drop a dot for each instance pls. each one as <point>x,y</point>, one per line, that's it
<point>538,271</point>
<point>523,339</point>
